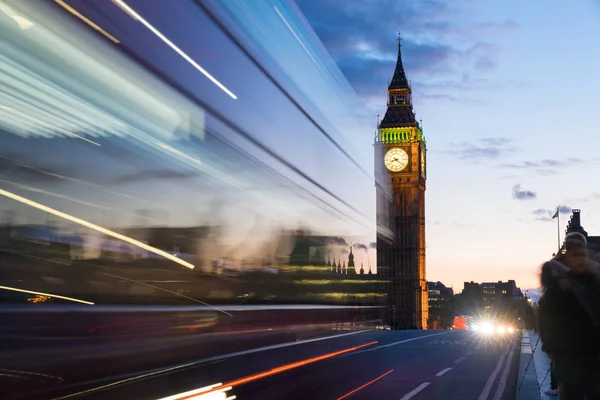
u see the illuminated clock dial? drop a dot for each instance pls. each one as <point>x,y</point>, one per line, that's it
<point>396,159</point>
<point>423,162</point>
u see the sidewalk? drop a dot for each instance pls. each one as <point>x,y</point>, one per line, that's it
<point>534,367</point>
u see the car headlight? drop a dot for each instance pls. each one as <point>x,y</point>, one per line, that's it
<point>487,327</point>
<point>501,329</point>
<point>511,329</point>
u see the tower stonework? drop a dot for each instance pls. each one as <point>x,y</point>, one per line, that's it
<point>400,175</point>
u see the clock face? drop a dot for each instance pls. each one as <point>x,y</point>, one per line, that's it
<point>423,162</point>
<point>396,159</point>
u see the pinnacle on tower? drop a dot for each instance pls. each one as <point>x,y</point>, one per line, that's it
<point>351,259</point>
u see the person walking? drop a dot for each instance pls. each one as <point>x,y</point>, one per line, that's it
<point>569,316</point>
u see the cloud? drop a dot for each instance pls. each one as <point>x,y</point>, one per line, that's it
<point>495,141</point>
<point>482,149</point>
<point>521,194</point>
<point>440,39</point>
<point>337,240</point>
<point>564,209</point>
<point>361,246</point>
<point>547,163</point>
<point>545,214</point>
<point>373,245</point>
<point>545,167</point>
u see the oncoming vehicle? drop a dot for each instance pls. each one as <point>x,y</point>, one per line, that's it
<point>461,322</point>
<point>492,326</point>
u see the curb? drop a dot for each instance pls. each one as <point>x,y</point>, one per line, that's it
<point>527,382</point>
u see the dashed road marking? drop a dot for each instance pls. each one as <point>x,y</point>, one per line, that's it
<point>415,391</point>
<point>442,372</point>
<point>448,342</point>
<point>459,360</point>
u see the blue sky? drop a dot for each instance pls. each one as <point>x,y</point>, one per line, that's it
<point>508,97</point>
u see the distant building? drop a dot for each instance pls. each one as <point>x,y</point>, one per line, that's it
<point>574,225</point>
<point>440,298</point>
<point>439,295</point>
<point>488,294</point>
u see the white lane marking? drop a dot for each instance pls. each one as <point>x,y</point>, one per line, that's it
<point>504,376</point>
<point>415,391</point>
<point>490,382</point>
<point>469,353</point>
<point>204,361</point>
<point>459,360</point>
<point>525,334</point>
<point>399,342</point>
<point>442,372</point>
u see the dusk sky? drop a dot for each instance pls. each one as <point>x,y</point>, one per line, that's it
<point>506,93</point>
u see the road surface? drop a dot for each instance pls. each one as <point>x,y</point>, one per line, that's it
<point>397,365</point>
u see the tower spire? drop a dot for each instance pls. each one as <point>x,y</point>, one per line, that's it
<point>399,80</point>
<point>399,111</point>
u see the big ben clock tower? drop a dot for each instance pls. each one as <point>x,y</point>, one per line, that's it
<point>400,169</point>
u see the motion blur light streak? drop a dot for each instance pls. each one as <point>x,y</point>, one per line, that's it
<point>57,195</point>
<point>86,20</point>
<point>294,33</point>
<point>172,45</point>
<point>365,385</point>
<point>180,153</point>
<point>46,294</point>
<point>47,125</point>
<point>23,23</point>
<point>95,227</point>
<point>294,101</point>
<point>168,291</point>
<point>287,367</point>
<point>201,392</point>
<point>102,99</point>
<point>79,181</point>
